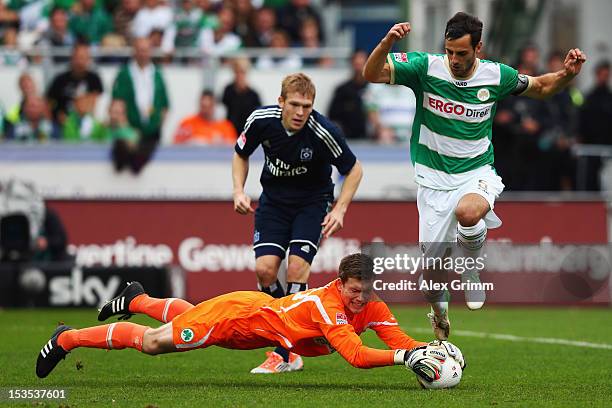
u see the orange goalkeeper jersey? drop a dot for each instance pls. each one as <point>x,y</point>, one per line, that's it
<point>310,323</point>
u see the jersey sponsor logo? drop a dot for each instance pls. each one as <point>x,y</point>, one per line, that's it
<point>483,94</point>
<point>461,83</point>
<point>400,56</point>
<point>455,110</point>
<point>242,140</point>
<point>341,318</point>
<point>306,154</point>
<point>279,168</point>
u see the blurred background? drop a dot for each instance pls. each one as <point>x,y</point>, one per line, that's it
<point>107,176</point>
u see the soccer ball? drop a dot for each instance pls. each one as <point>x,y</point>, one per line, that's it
<point>450,375</point>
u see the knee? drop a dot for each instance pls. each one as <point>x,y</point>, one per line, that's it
<point>297,270</point>
<point>266,274</point>
<point>151,344</point>
<point>294,271</point>
<point>468,215</point>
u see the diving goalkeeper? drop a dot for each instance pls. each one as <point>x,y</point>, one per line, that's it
<point>311,323</point>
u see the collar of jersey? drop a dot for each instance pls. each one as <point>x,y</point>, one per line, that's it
<point>447,66</point>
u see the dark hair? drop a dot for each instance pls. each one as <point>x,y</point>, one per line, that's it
<point>57,9</point>
<point>357,266</point>
<point>207,92</point>
<point>603,64</point>
<point>461,24</point>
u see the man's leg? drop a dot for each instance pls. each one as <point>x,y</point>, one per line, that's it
<point>115,336</point>
<point>437,231</point>
<point>471,236</point>
<point>271,239</point>
<point>133,299</point>
<point>266,269</point>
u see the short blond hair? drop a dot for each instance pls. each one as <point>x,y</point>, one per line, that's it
<point>299,83</point>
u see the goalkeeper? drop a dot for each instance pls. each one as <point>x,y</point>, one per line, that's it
<point>311,323</point>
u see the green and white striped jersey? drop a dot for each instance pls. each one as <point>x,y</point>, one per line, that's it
<point>451,133</point>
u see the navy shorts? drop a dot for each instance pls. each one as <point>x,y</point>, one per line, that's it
<point>281,227</point>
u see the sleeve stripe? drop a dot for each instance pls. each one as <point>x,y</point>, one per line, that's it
<point>391,70</point>
<point>262,113</point>
<point>324,135</point>
<point>371,324</point>
<point>302,298</point>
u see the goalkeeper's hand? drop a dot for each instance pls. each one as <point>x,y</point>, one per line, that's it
<point>451,350</point>
<point>424,361</point>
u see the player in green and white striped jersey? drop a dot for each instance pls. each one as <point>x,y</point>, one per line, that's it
<point>451,145</point>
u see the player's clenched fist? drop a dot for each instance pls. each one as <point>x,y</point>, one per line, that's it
<point>398,31</point>
<point>242,203</point>
<point>574,60</point>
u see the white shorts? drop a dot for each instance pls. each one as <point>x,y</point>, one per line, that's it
<point>437,221</point>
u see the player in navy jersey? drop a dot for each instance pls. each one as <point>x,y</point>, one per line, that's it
<point>300,147</point>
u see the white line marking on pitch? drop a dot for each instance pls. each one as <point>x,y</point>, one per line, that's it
<point>511,337</point>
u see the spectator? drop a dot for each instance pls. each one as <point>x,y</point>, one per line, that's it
<point>292,16</point>
<point>80,124</point>
<point>27,87</point>
<point>529,119</point>
<point>141,86</point>
<point>309,38</point>
<point>7,16</point>
<point>186,28</point>
<point>529,58</point>
<point>391,112</point>
<point>153,16</point>
<point>238,97</point>
<point>10,54</point>
<point>506,143</point>
<point>33,125</point>
<point>596,122</point>
<point>279,43</point>
<point>77,78</point>
<point>245,15</point>
<point>203,128</point>
<point>124,137</point>
<point>347,108</point>
<point>263,28</point>
<point>52,241</point>
<point>562,109</point>
<point>30,15</point>
<point>90,23</point>
<point>123,18</point>
<point>57,34</point>
<point>222,39</point>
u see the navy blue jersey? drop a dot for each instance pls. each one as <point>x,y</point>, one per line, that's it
<point>297,167</point>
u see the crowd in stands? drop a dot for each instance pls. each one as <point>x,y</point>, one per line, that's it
<point>537,134</point>
<point>211,27</point>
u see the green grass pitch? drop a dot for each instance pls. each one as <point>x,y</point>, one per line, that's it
<point>499,373</point>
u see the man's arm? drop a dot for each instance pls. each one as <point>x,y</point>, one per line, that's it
<point>348,344</point>
<point>387,328</point>
<point>545,86</point>
<point>376,68</point>
<point>240,171</point>
<point>334,221</point>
